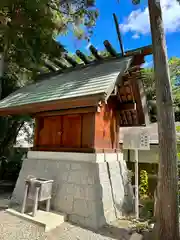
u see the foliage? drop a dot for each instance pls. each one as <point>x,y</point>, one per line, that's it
<point>149,84</point>
<point>139,227</point>
<point>26,134</point>
<point>143,187</point>
<point>147,210</point>
<point>28,30</point>
<point>10,168</point>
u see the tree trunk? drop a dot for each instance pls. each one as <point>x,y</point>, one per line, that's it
<point>168,216</point>
<point>1,70</point>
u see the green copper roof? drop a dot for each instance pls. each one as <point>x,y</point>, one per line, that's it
<point>93,79</point>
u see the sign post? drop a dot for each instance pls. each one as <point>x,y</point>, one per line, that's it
<point>136,185</point>
<point>136,139</point>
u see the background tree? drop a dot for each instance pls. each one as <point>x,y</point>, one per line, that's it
<point>149,83</point>
<point>167,218</point>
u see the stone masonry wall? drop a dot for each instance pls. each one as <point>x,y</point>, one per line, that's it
<point>92,194</point>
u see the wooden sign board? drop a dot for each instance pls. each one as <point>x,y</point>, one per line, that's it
<point>137,138</point>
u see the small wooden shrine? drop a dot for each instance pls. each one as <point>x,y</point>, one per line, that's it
<point>80,108</point>
<point>79,111</point>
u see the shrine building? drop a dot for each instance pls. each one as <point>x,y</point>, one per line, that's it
<point>79,112</point>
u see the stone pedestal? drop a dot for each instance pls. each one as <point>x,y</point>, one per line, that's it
<point>92,189</point>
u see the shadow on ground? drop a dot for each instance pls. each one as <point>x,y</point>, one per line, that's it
<point>71,231</point>
<point>114,232</point>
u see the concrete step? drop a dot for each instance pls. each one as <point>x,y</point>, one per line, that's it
<point>47,220</point>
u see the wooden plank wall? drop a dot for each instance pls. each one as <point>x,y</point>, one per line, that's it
<point>107,128</point>
<point>65,132</point>
<point>79,132</point>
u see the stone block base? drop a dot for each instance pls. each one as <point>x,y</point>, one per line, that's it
<point>92,189</point>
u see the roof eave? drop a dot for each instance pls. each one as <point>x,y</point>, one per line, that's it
<point>84,101</point>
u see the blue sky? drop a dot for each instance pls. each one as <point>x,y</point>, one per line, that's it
<point>134,25</point>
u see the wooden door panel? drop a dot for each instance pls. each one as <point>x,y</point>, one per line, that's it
<point>56,129</point>
<point>50,134</point>
<point>72,131</point>
<point>44,134</point>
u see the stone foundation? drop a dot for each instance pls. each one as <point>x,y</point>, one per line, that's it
<point>92,189</point>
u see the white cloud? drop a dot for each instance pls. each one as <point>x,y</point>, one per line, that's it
<point>136,36</point>
<point>138,21</point>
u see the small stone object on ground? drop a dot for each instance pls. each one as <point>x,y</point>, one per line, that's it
<point>136,236</point>
<point>151,225</point>
<point>38,190</point>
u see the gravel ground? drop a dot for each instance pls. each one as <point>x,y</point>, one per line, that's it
<point>13,228</point>
<point>68,231</point>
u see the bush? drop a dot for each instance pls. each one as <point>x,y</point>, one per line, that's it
<point>148,208</point>
<point>143,188</point>
<point>10,167</point>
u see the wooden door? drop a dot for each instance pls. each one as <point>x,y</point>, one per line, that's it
<point>72,131</point>
<point>50,134</point>
<point>56,129</point>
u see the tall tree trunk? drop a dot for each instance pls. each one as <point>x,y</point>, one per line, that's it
<point>1,70</point>
<point>168,216</point>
